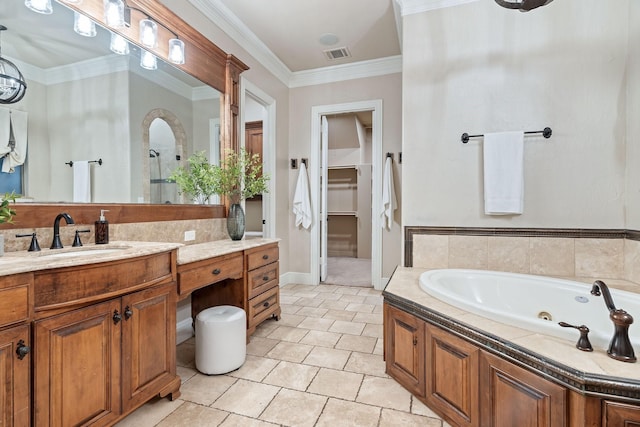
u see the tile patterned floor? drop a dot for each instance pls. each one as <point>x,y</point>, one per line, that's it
<point>320,365</point>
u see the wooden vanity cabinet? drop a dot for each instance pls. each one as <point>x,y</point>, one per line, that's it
<point>97,363</point>
<point>405,349</point>
<point>617,414</point>
<point>16,299</point>
<point>262,285</point>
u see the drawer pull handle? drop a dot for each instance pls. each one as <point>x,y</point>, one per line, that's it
<point>265,256</point>
<point>266,304</point>
<point>117,317</point>
<point>127,313</point>
<point>265,278</point>
<point>216,271</point>
<point>22,349</point>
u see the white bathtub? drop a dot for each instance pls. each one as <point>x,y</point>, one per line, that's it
<point>521,300</point>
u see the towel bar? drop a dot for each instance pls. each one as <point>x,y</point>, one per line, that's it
<point>70,163</point>
<point>546,132</point>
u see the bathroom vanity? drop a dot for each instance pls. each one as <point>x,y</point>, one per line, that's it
<point>87,335</point>
<point>476,372</point>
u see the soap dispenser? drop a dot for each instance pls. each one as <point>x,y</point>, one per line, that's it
<point>102,229</point>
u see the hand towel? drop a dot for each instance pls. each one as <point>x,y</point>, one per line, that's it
<point>18,154</point>
<point>301,203</point>
<point>389,203</point>
<point>503,173</point>
<point>81,181</point>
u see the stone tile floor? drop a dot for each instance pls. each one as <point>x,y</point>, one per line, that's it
<point>320,365</point>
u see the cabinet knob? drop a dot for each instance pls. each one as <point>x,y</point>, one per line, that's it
<point>216,271</point>
<point>127,313</point>
<point>415,341</point>
<point>266,304</point>
<point>265,278</point>
<point>22,349</point>
<point>117,317</point>
<point>265,256</point>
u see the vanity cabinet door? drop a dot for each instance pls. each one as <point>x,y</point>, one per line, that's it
<point>77,367</point>
<point>15,384</point>
<point>148,344</point>
<point>452,376</point>
<point>512,396</point>
<point>405,349</point>
<point>620,414</point>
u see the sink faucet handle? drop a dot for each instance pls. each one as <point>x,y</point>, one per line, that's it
<point>583,342</point>
<point>34,246</point>
<point>76,241</point>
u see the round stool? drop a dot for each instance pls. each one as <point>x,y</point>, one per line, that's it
<point>221,339</point>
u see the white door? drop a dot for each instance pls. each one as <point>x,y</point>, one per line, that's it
<point>324,150</point>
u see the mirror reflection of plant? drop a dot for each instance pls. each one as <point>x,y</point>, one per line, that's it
<point>197,180</point>
<point>240,176</point>
<point>6,213</point>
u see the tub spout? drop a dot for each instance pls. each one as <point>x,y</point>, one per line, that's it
<point>620,346</point>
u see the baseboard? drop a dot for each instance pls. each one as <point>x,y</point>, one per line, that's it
<point>293,278</point>
<point>184,330</point>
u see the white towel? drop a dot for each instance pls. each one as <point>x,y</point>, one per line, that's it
<point>81,182</point>
<point>503,173</point>
<point>389,203</point>
<point>17,121</point>
<point>301,204</point>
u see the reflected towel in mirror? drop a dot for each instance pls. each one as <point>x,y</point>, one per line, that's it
<point>81,181</point>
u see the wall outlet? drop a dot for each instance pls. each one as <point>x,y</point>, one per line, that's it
<point>189,235</point>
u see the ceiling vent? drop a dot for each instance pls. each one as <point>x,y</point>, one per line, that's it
<point>339,53</point>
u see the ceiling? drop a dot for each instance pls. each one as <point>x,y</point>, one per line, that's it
<point>291,29</point>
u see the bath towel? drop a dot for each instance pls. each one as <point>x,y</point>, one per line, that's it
<point>389,203</point>
<point>301,203</point>
<point>13,122</point>
<point>81,182</point>
<point>503,173</point>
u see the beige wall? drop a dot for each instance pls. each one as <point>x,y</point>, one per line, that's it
<point>633,119</point>
<point>480,68</point>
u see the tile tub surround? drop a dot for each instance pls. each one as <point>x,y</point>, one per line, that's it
<point>603,254</point>
<point>589,373</point>
<point>320,365</point>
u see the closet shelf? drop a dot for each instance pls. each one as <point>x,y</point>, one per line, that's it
<point>336,167</point>
<point>343,213</point>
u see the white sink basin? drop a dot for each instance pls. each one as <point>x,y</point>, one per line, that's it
<point>81,252</point>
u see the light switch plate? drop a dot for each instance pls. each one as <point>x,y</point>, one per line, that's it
<point>189,235</point>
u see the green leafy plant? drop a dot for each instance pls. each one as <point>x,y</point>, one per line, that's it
<point>197,180</point>
<point>6,213</point>
<point>240,176</point>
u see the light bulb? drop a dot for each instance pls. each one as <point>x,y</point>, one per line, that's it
<point>176,51</point>
<point>83,25</point>
<point>148,60</point>
<point>114,13</point>
<point>148,33</point>
<point>40,6</point>
<point>119,44</point>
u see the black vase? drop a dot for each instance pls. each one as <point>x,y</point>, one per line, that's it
<point>235,222</point>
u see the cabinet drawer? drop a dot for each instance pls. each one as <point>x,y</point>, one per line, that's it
<point>15,299</point>
<point>262,278</point>
<point>263,306</point>
<point>262,256</point>
<point>209,271</point>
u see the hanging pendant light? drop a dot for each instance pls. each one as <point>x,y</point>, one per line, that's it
<point>114,13</point>
<point>148,60</point>
<point>40,6</point>
<point>176,51</point>
<point>523,5</point>
<point>119,44</point>
<point>148,33</point>
<point>83,25</point>
<point>12,84</point>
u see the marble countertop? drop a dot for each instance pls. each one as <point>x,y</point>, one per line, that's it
<point>23,261</point>
<point>555,356</point>
<point>200,251</point>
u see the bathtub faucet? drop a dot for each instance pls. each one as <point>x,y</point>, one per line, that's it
<point>620,346</point>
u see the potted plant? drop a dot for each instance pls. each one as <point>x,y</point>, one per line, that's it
<point>239,177</point>
<point>196,180</point>
<point>6,214</point>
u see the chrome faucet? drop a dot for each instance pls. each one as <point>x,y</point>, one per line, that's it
<point>57,244</point>
<point>620,346</point>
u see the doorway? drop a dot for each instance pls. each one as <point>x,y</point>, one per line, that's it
<point>319,186</point>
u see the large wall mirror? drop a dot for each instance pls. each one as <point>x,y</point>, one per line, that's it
<point>85,102</point>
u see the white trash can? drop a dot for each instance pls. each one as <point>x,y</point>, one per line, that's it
<point>221,339</point>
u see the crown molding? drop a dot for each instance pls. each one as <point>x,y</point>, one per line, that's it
<point>356,70</point>
<point>409,7</point>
